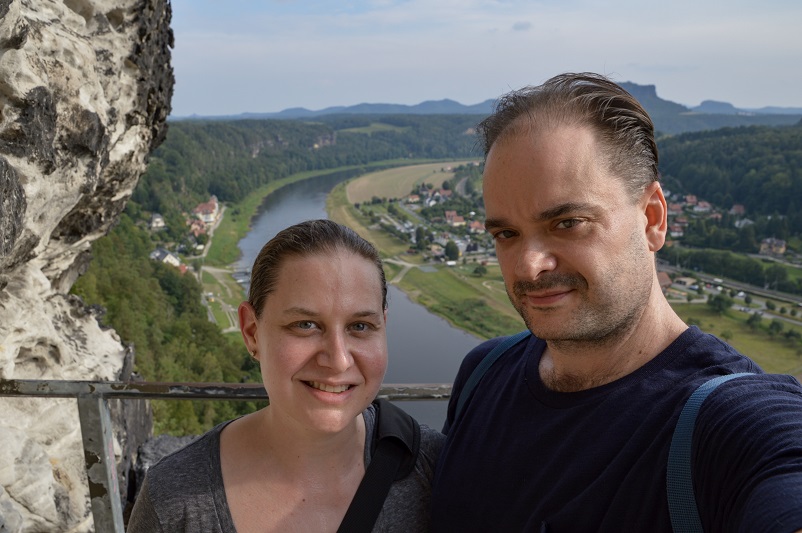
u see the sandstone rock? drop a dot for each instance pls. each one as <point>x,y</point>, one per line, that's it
<point>85,88</point>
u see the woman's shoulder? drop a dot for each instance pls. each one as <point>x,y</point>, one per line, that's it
<point>431,441</point>
<point>184,467</point>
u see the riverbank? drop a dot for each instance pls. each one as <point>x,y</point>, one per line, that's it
<point>475,304</point>
<point>222,293</point>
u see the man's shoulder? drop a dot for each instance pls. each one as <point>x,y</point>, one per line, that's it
<point>475,356</point>
<point>754,390</point>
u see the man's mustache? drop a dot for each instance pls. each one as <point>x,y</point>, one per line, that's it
<point>550,281</point>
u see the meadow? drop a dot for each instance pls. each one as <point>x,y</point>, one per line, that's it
<point>398,182</point>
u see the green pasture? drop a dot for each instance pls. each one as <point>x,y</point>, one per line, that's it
<point>398,182</point>
<point>454,298</point>
<point>339,209</point>
<point>375,127</point>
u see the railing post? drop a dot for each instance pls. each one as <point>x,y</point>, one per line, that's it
<point>101,469</point>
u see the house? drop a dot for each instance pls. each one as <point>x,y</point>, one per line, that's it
<point>772,246</point>
<point>676,231</point>
<point>702,207</point>
<point>738,210</point>
<point>476,227</point>
<point>156,222</point>
<point>208,211</point>
<point>164,256</point>
<point>413,199</point>
<point>197,227</point>
<point>457,221</point>
<point>690,199</point>
<point>674,209</point>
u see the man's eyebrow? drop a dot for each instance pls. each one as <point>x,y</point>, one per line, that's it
<point>548,214</point>
<point>563,209</point>
<point>299,311</point>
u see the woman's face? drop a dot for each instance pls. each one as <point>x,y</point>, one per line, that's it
<point>321,339</point>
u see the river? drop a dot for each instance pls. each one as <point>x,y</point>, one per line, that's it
<point>424,348</point>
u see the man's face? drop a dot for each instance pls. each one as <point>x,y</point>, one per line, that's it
<point>570,239</point>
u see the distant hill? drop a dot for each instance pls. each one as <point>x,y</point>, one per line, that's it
<point>669,117</point>
<point>725,108</point>
<point>429,107</point>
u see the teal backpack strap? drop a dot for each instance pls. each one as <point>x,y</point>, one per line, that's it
<point>486,363</point>
<point>681,499</point>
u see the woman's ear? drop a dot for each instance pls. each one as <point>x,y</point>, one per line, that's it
<point>655,210</point>
<point>247,326</point>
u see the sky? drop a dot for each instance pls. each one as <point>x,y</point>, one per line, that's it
<point>262,56</point>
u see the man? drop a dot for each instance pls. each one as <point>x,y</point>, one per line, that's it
<point>570,429</point>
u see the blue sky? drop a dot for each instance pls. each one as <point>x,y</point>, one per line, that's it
<point>235,56</point>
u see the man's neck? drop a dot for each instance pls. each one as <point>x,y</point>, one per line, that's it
<point>572,366</point>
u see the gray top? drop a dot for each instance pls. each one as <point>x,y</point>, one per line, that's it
<point>184,491</point>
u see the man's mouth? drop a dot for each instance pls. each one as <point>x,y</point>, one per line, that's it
<point>328,388</point>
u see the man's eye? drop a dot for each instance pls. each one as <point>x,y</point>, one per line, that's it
<point>568,223</point>
<point>305,324</point>
<point>503,234</point>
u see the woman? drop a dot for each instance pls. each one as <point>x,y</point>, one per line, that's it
<point>315,321</point>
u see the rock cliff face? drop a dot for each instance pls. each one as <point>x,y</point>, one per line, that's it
<point>85,88</point>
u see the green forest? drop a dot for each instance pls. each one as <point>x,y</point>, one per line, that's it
<point>759,167</point>
<point>159,311</point>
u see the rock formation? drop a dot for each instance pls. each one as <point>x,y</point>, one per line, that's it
<point>85,88</point>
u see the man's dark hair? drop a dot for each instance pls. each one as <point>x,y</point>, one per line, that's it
<point>623,127</point>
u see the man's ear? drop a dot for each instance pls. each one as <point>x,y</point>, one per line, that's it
<point>247,325</point>
<point>655,210</point>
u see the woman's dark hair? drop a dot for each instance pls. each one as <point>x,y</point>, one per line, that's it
<point>624,128</point>
<point>306,238</point>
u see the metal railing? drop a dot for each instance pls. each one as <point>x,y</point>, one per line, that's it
<point>96,430</point>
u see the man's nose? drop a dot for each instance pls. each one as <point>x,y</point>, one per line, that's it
<point>533,259</point>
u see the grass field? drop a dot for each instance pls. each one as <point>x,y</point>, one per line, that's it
<point>450,296</point>
<point>398,182</point>
<point>374,127</point>
<point>339,209</point>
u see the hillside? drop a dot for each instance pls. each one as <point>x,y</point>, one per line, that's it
<point>669,117</point>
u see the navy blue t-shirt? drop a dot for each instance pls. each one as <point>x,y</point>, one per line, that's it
<point>522,457</point>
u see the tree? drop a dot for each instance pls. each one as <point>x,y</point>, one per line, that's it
<point>452,251</point>
<point>748,299</point>
<point>726,335</point>
<point>480,271</point>
<point>770,305</point>
<point>420,234</point>
<point>776,326</point>
<point>720,303</point>
<point>754,321</point>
